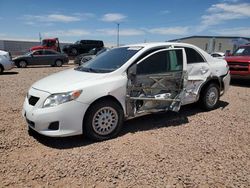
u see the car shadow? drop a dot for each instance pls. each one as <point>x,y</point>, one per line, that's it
<point>144,123</point>
<point>240,82</point>
<point>9,73</point>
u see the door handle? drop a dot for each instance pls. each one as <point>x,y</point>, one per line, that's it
<point>203,70</point>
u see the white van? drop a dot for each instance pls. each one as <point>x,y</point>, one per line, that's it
<point>96,97</point>
<point>5,61</point>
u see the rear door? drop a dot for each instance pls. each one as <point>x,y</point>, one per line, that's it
<point>49,57</point>
<point>157,82</point>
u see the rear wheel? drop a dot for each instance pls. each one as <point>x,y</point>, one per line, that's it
<point>210,97</point>
<point>74,51</point>
<point>22,64</point>
<point>103,120</point>
<point>58,63</point>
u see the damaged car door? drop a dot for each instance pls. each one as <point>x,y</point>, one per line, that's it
<point>157,82</point>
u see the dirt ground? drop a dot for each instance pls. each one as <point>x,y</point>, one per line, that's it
<point>191,148</point>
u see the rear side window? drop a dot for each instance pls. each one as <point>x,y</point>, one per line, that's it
<point>193,56</point>
<point>37,52</point>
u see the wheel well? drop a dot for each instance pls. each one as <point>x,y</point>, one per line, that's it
<point>214,81</point>
<point>59,60</point>
<point>23,60</point>
<point>105,98</point>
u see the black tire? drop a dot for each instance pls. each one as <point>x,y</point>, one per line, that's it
<point>1,69</point>
<point>99,126</point>
<point>31,132</point>
<point>74,52</point>
<point>58,63</point>
<point>210,96</point>
<point>22,64</point>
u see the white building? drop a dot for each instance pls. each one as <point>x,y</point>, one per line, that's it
<point>215,43</point>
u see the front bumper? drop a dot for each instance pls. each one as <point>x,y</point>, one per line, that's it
<point>69,115</point>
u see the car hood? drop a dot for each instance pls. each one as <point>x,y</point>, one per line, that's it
<point>67,80</point>
<point>20,57</point>
<point>238,59</point>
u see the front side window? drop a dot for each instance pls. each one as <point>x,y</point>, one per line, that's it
<point>110,60</point>
<point>37,53</point>
<point>161,62</point>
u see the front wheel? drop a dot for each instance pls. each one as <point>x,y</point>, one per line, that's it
<point>22,64</point>
<point>58,63</point>
<point>103,120</point>
<point>74,51</point>
<point>210,97</point>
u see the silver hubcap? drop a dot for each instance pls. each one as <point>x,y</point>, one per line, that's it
<point>22,64</point>
<point>212,96</point>
<point>58,63</point>
<point>105,120</point>
<point>74,51</point>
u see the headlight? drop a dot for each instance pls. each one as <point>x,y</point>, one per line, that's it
<point>60,98</point>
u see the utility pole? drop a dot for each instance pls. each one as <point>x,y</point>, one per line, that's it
<point>40,37</point>
<point>118,30</point>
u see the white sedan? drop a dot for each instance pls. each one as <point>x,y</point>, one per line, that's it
<point>96,97</point>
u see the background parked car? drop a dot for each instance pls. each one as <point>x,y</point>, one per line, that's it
<point>93,51</point>
<point>239,62</point>
<point>89,57</point>
<point>219,55</point>
<point>41,57</point>
<point>5,61</point>
<point>82,46</point>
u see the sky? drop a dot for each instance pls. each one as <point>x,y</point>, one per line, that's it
<point>139,21</point>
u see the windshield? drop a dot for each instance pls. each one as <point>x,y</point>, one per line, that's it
<point>48,43</point>
<point>242,51</point>
<point>110,60</point>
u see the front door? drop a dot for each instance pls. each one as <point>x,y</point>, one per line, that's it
<point>156,82</point>
<point>37,58</point>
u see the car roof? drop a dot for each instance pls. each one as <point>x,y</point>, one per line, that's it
<point>46,50</point>
<point>158,44</point>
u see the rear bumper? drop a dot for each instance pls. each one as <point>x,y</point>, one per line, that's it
<point>9,65</point>
<point>226,82</point>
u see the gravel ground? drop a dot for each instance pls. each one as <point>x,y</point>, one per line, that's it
<point>191,148</point>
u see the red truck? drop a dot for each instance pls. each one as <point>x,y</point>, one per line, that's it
<point>239,62</point>
<point>51,43</point>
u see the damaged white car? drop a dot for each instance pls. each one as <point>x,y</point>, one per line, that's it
<point>125,82</point>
